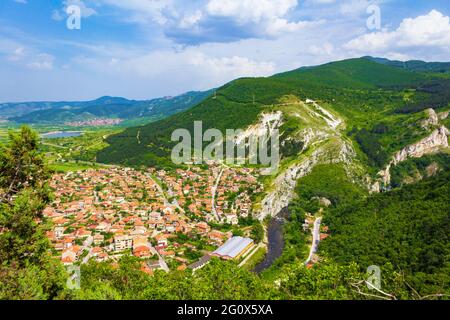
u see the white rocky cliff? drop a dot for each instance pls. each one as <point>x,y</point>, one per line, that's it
<point>327,146</point>
<point>434,142</point>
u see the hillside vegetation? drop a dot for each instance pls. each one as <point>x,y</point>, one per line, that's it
<point>366,94</point>
<point>408,228</point>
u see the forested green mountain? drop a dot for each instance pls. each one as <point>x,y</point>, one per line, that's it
<point>415,65</point>
<point>354,73</point>
<point>104,107</point>
<point>408,228</point>
<point>380,104</point>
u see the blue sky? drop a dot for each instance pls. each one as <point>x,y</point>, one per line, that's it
<point>149,48</point>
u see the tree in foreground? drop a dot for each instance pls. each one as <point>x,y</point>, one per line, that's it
<point>27,269</point>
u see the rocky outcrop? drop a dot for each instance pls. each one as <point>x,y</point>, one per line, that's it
<point>322,201</point>
<point>267,123</point>
<point>284,184</point>
<point>432,120</point>
<point>437,140</point>
<point>332,121</point>
<point>328,147</point>
<point>443,115</point>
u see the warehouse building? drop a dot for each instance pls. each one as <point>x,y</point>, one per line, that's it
<point>234,248</point>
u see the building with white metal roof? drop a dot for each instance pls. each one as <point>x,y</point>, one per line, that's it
<point>234,248</point>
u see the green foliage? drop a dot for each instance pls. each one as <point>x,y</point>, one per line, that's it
<point>218,280</point>
<point>408,228</point>
<point>415,169</point>
<point>331,281</point>
<point>354,73</point>
<point>327,282</point>
<point>223,280</point>
<point>22,165</point>
<point>27,271</point>
<point>415,65</point>
<point>371,146</point>
<point>257,233</point>
<point>435,94</point>
<point>328,181</point>
<point>380,140</point>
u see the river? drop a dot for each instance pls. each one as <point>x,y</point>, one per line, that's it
<point>276,241</point>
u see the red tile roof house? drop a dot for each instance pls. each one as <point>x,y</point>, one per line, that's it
<point>167,253</point>
<point>142,252</point>
<point>162,240</point>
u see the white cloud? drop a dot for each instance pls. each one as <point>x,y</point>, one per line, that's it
<point>17,55</point>
<point>250,10</point>
<point>431,30</point>
<point>279,26</point>
<point>42,61</point>
<point>257,18</point>
<point>355,7</point>
<point>201,67</point>
<point>323,1</point>
<point>268,15</point>
<point>85,10</point>
<point>233,67</point>
<point>144,11</point>
<point>21,1</point>
<point>190,20</point>
<point>57,15</point>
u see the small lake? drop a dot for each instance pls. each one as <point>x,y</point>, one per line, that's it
<point>61,134</point>
<point>276,241</point>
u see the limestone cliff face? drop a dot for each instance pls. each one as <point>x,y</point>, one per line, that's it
<point>436,140</point>
<point>443,115</point>
<point>326,145</point>
<point>285,184</point>
<point>433,119</point>
<point>286,181</point>
<point>267,123</point>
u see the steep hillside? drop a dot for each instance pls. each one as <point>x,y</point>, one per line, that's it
<point>366,96</point>
<point>408,228</point>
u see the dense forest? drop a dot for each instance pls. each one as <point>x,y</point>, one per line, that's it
<point>407,227</point>
<point>434,94</point>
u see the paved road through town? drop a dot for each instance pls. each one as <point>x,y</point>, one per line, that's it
<point>213,191</point>
<point>316,239</point>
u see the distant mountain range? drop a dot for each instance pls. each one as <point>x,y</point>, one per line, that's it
<point>357,74</point>
<point>104,107</point>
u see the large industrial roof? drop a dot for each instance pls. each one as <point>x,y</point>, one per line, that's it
<point>233,247</point>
